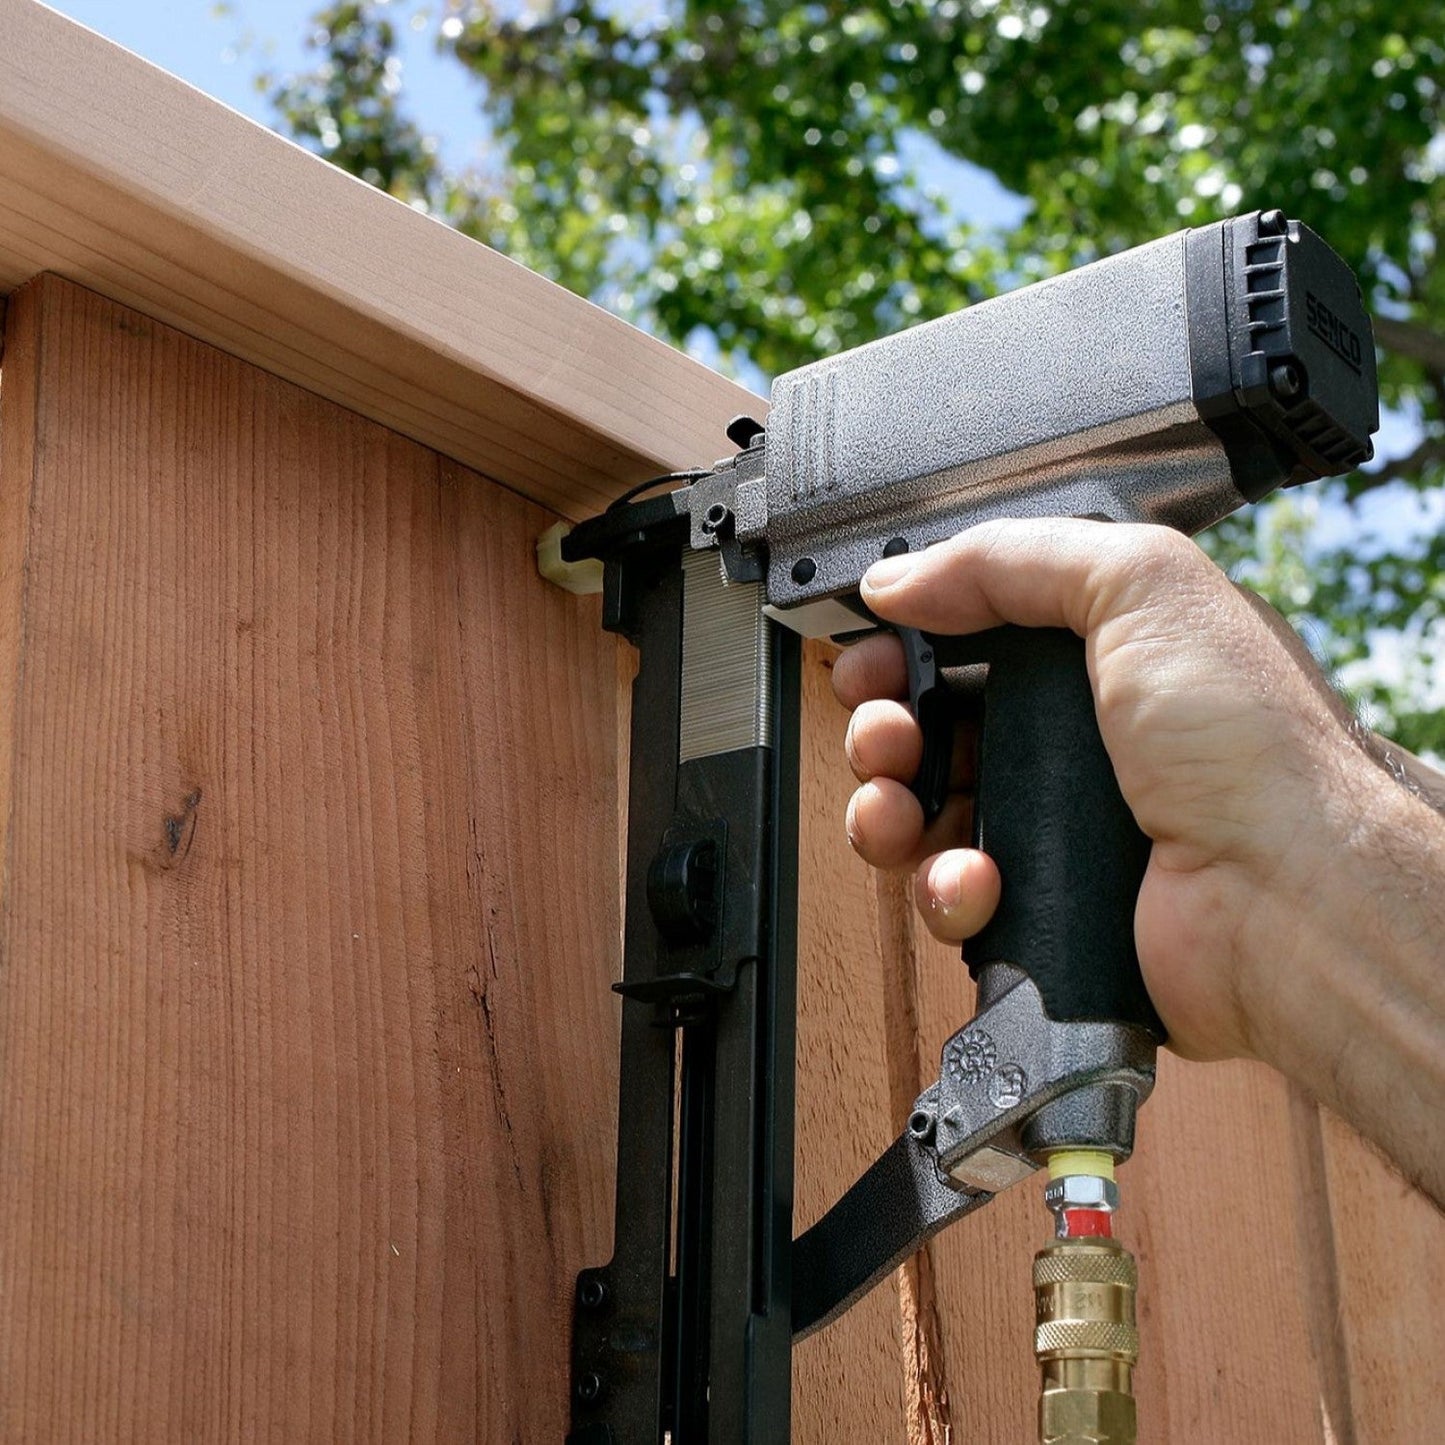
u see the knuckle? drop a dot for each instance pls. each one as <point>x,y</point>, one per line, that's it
<point>1163,552</point>
<point>1146,563</point>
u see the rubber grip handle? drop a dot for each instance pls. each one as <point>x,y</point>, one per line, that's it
<point>1050,814</point>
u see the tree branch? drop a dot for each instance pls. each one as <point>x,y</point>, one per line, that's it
<point>1411,339</point>
<point>1431,449</point>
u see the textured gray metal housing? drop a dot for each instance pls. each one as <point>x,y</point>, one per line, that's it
<point>1011,1063</point>
<point>1072,396</point>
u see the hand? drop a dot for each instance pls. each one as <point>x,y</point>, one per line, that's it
<point>1294,905</point>
<point>1228,745</point>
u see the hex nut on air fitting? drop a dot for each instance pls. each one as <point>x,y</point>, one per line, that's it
<point>1086,1342</point>
<point>1081,1191</point>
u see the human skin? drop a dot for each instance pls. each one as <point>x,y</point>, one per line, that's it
<point>1293,910</point>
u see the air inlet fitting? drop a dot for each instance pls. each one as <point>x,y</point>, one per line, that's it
<point>1086,1342</point>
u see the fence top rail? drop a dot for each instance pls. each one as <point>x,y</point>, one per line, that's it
<point>118,176</point>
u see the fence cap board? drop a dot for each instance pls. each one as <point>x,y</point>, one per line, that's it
<point>131,182</point>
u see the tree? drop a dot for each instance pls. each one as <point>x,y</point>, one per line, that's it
<point>763,178</point>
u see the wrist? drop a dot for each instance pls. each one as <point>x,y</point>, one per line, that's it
<point>1342,987</point>
<point>1313,907</point>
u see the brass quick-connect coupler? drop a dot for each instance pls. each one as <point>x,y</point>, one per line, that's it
<point>1086,1341</point>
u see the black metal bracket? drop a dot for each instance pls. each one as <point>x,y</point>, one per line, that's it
<point>686,1332</point>
<point>898,1205</point>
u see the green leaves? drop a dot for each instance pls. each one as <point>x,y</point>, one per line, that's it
<point>348,109</point>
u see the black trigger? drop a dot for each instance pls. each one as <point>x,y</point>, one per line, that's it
<point>928,696</point>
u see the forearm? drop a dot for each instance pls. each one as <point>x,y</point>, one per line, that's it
<point>1349,971</point>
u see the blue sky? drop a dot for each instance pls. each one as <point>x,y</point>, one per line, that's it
<point>221,47</point>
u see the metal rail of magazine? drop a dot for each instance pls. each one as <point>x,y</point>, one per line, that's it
<point>1172,384</point>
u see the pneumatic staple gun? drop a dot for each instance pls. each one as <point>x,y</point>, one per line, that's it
<point>1170,384</point>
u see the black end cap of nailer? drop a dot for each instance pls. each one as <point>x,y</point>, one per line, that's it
<point>1292,392</point>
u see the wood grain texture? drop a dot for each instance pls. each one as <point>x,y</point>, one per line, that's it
<point>307,915</point>
<point>127,180</point>
<point>1212,1214</point>
<point>982,1294</point>
<point>1389,1251</point>
<point>848,1383</point>
<point>306,1045</point>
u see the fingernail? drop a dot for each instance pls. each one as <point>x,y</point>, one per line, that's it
<point>850,826</point>
<point>945,882</point>
<point>887,573</point>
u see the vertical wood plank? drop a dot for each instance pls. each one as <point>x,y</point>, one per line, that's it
<point>981,1265</point>
<point>19,347</point>
<point>306,1048</point>
<point>1212,1199</point>
<point>847,1379</point>
<point>1389,1249</point>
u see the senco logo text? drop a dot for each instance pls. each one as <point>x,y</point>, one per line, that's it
<point>1332,331</point>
